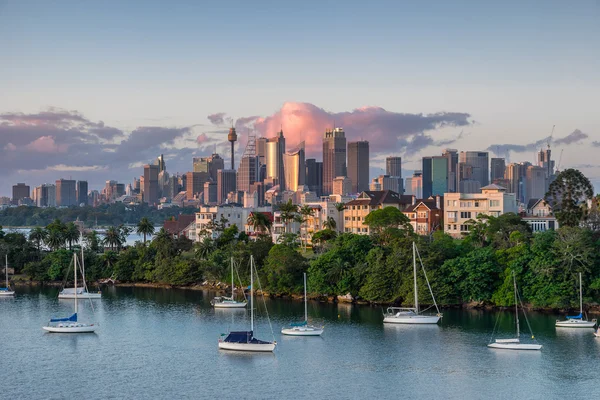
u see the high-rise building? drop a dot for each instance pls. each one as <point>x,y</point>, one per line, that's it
<point>195,184</point>
<point>414,185</point>
<point>261,150</point>
<point>210,193</point>
<point>427,164</point>
<point>334,157</point>
<point>20,191</point>
<point>545,161</point>
<point>160,162</point>
<point>295,168</point>
<point>136,185</point>
<point>358,166</point>
<point>275,150</point>
<point>151,184</point>
<point>479,163</point>
<point>247,173</point>
<point>226,181</point>
<point>384,182</point>
<point>452,156</point>
<point>210,165</point>
<point>497,167</point>
<point>342,185</point>
<point>536,183</point>
<point>66,193</point>
<point>45,195</point>
<point>314,176</point>
<point>439,175</point>
<point>82,193</point>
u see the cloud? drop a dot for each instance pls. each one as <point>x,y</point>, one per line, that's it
<point>386,131</point>
<point>596,143</point>
<point>10,147</point>
<point>46,144</point>
<point>572,138</point>
<point>217,118</point>
<point>202,139</point>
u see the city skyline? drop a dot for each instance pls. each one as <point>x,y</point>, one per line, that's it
<point>122,100</point>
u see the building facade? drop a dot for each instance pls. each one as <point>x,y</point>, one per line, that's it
<point>226,181</point>
<point>66,193</point>
<point>334,157</point>
<point>82,193</point>
<point>275,149</point>
<point>539,216</point>
<point>358,166</point>
<point>426,215</point>
<point>357,209</point>
<point>20,191</point>
<point>151,184</point>
<point>295,168</point>
<point>478,163</point>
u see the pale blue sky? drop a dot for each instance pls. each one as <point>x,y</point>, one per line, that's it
<point>518,67</point>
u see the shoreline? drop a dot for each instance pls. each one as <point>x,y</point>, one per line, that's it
<point>593,309</point>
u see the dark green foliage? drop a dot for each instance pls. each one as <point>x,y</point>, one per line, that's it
<point>567,194</point>
<point>283,269</point>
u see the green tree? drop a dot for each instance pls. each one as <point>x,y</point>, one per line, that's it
<point>113,238</point>
<point>566,194</point>
<point>71,234</point>
<point>260,222</point>
<point>289,212</point>
<point>387,222</point>
<point>340,207</point>
<point>38,235</point>
<point>329,224</point>
<point>145,228</point>
<point>306,211</point>
<point>284,267</point>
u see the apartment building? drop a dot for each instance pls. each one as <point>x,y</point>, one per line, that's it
<point>234,214</point>
<point>356,210</point>
<point>539,216</point>
<point>462,207</point>
<point>426,215</point>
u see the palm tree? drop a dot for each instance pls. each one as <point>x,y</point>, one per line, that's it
<point>306,211</point>
<point>205,247</point>
<point>71,234</point>
<point>329,223</point>
<point>91,240</point>
<point>145,227</point>
<point>288,212</point>
<point>54,239</point>
<point>113,238</point>
<point>260,222</point>
<point>340,207</point>
<point>38,236</point>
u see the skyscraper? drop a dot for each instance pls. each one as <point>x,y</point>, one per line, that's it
<point>358,166</point>
<point>210,165</point>
<point>45,195</point>
<point>342,185</point>
<point>232,138</point>
<point>439,175</point>
<point>247,173</point>
<point>497,167</point>
<point>479,163</point>
<point>545,161</point>
<point>19,192</point>
<point>194,184</point>
<point>66,193</point>
<point>536,182</point>
<point>414,185</point>
<point>261,150</point>
<point>82,192</point>
<point>151,184</point>
<point>295,168</point>
<point>226,181</point>
<point>275,150</point>
<point>426,177</point>
<point>452,156</point>
<point>334,157</point>
<point>160,162</point>
<point>314,176</point>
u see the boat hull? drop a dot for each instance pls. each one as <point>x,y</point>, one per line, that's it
<point>71,328</point>
<point>302,331</point>
<point>571,323</point>
<point>515,346</point>
<point>229,305</point>
<point>412,319</point>
<point>250,347</point>
<point>597,334</point>
<point>81,296</point>
<point>6,293</point>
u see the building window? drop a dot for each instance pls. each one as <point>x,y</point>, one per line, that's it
<point>448,227</point>
<point>465,214</point>
<point>465,228</point>
<point>476,204</point>
<point>494,203</point>
<point>454,226</point>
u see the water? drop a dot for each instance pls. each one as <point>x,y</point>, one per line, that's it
<point>161,343</point>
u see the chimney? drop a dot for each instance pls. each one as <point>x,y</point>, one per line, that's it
<point>437,201</point>
<point>414,199</point>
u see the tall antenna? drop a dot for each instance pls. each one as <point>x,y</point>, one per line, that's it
<point>550,137</point>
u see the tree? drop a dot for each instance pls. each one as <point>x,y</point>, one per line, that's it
<point>387,222</point>
<point>329,224</point>
<point>289,211</point>
<point>306,211</point>
<point>71,234</point>
<point>38,236</point>
<point>113,238</point>
<point>340,207</point>
<point>260,222</point>
<point>566,194</point>
<point>145,227</point>
<point>284,267</point>
<point>92,241</point>
<point>54,239</point>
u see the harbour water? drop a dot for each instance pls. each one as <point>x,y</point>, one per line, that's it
<point>162,343</point>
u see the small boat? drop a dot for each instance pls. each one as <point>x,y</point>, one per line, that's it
<point>577,321</point>
<point>245,340</point>
<point>228,302</point>
<point>6,291</point>
<point>70,324</point>
<point>303,328</point>
<point>403,315</point>
<point>515,343</point>
<point>82,292</point>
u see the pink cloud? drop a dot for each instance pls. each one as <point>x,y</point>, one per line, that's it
<point>10,147</point>
<point>46,144</point>
<point>386,131</point>
<point>202,138</point>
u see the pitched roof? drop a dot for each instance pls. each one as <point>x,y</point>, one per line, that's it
<point>378,197</point>
<point>493,186</point>
<point>174,227</point>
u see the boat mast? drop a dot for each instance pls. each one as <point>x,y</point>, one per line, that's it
<point>580,297</point>
<point>415,278</point>
<point>516,305</point>
<point>75,269</point>
<point>305,301</point>
<point>251,293</point>
<point>82,262</point>
<point>6,270</point>
<point>232,288</point>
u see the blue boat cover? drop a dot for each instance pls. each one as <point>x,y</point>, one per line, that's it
<point>242,337</point>
<point>575,316</point>
<point>3,289</point>
<point>72,318</point>
<point>298,323</point>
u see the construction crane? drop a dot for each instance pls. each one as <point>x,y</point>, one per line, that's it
<point>559,160</point>
<point>550,137</point>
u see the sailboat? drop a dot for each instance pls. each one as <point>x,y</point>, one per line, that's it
<point>577,321</point>
<point>70,324</point>
<point>303,328</point>
<point>515,343</point>
<point>228,302</point>
<point>403,315</point>
<point>5,291</point>
<point>69,293</point>
<point>245,340</point>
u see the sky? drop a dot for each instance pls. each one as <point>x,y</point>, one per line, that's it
<point>94,90</point>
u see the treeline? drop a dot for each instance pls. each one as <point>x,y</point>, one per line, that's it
<point>103,215</point>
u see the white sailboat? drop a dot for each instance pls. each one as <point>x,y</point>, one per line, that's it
<point>6,291</point>
<point>82,293</point>
<point>515,343</point>
<point>245,340</point>
<point>303,328</point>
<point>228,302</point>
<point>403,315</point>
<point>577,321</point>
<point>70,324</point>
